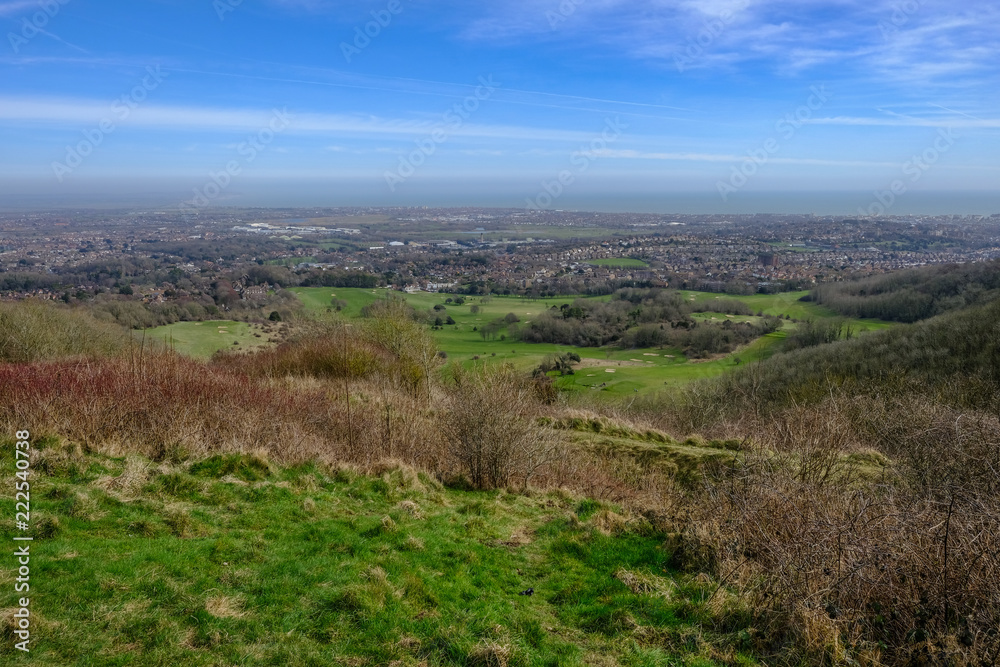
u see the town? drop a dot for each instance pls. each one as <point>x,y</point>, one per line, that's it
<point>162,256</point>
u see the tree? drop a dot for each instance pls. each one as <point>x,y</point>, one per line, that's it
<point>275,316</point>
<point>390,323</point>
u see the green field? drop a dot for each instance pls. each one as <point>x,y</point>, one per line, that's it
<point>203,339</point>
<point>618,262</point>
<point>786,303</point>
<point>610,371</point>
<point>235,561</point>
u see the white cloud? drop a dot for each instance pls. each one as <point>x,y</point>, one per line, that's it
<point>905,121</point>
<point>83,113</point>
<point>711,157</point>
<point>18,7</point>
<point>877,41</point>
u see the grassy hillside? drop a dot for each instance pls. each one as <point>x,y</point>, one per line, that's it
<point>203,339</point>
<point>232,560</point>
<point>836,505</point>
<point>956,355</point>
<point>606,371</point>
<point>916,294</point>
<point>34,330</point>
<point>786,304</point>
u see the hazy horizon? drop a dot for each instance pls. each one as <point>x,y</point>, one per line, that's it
<point>847,204</point>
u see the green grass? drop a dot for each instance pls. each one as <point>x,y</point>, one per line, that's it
<point>786,303</point>
<point>203,339</point>
<point>233,560</point>
<point>618,262</point>
<point>633,370</point>
<point>641,370</point>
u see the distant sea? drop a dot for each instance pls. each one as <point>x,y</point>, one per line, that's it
<point>820,203</point>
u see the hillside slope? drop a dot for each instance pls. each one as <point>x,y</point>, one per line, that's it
<point>232,560</point>
<point>916,294</point>
<point>956,353</point>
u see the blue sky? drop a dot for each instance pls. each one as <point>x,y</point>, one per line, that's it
<point>543,103</point>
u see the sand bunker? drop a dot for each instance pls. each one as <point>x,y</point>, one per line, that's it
<point>599,363</point>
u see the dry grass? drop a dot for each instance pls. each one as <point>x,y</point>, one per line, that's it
<point>642,584</point>
<point>221,606</point>
<point>170,408</point>
<point>489,654</point>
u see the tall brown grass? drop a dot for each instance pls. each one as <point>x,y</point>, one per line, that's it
<point>36,330</point>
<point>167,405</point>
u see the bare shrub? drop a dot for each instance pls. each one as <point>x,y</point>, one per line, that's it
<point>491,427</point>
<point>889,556</point>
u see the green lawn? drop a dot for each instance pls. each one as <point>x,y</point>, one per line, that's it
<point>618,262</point>
<point>203,339</point>
<point>609,371</point>
<point>612,372</point>
<point>235,561</point>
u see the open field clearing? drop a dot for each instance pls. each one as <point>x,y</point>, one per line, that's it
<point>203,339</point>
<point>618,262</point>
<point>462,342</point>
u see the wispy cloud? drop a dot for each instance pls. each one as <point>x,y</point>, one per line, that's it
<point>18,7</point>
<point>877,40</point>
<point>59,39</point>
<point>80,112</point>
<point>711,157</point>
<point>903,121</point>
